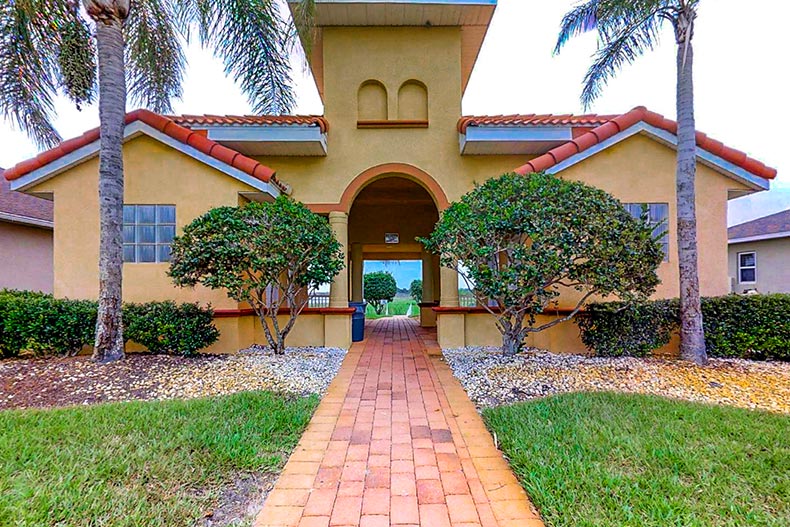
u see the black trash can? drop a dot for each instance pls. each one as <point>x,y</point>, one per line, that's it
<point>358,321</point>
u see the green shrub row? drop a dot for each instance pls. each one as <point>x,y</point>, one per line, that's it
<point>749,327</point>
<point>45,326</point>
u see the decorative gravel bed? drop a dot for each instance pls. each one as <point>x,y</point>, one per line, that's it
<point>60,382</point>
<point>491,379</point>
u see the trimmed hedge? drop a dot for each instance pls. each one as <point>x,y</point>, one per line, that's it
<point>748,327</point>
<point>166,327</point>
<point>42,325</point>
<point>616,329</point>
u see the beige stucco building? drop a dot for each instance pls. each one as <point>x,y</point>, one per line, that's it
<point>759,255</point>
<point>390,152</point>
<point>25,240</point>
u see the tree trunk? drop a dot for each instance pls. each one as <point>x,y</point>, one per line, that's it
<point>112,109</point>
<point>513,335</point>
<point>692,336</point>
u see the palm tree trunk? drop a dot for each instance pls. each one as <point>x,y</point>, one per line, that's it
<point>692,336</point>
<point>112,109</point>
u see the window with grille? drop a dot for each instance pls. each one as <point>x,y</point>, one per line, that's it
<point>747,267</point>
<point>657,217</point>
<point>148,231</point>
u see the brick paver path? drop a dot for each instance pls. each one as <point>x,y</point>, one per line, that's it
<point>396,442</point>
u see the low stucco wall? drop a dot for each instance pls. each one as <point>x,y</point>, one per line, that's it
<point>25,257</point>
<point>773,265</point>
<point>456,330</point>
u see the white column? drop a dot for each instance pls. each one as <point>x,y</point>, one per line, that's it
<point>449,287</point>
<point>338,290</point>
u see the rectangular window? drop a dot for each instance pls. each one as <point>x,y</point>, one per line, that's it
<point>657,217</point>
<point>747,268</point>
<point>148,231</point>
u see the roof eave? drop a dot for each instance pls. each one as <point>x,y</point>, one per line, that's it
<point>717,163</point>
<point>132,130</point>
<point>26,220</point>
<point>759,237</point>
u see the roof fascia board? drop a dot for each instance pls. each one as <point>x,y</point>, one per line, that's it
<point>25,220</point>
<point>266,134</point>
<point>521,134</point>
<point>131,131</point>
<point>715,162</point>
<point>760,237</point>
<point>273,133</point>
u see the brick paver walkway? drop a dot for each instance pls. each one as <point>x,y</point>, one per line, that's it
<point>396,442</point>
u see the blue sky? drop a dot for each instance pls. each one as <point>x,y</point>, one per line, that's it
<point>403,271</point>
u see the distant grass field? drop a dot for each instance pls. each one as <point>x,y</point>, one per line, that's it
<point>140,464</point>
<point>616,460</point>
<point>399,306</point>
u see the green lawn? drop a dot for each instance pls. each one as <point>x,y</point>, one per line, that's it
<point>399,306</point>
<point>140,463</point>
<point>609,460</point>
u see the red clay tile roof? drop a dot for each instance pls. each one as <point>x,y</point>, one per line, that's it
<point>627,120</point>
<point>20,204</point>
<point>533,119</point>
<point>773,224</point>
<point>166,126</point>
<point>250,120</point>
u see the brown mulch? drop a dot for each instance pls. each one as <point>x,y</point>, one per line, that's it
<point>42,383</point>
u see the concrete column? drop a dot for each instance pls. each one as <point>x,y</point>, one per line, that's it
<point>357,264</point>
<point>338,290</point>
<point>449,287</point>
<point>427,276</point>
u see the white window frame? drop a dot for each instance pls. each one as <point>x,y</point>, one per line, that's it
<point>748,267</point>
<point>156,225</point>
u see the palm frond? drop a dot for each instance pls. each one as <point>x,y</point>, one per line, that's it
<point>579,20</point>
<point>28,67</point>
<point>251,38</point>
<point>302,28</point>
<point>623,48</point>
<point>155,60</point>
<point>626,30</point>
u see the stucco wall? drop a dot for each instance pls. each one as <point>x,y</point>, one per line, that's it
<point>391,56</point>
<point>640,170</point>
<point>773,265</point>
<point>154,174</point>
<point>25,257</point>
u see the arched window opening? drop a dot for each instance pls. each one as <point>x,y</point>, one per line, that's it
<point>372,102</point>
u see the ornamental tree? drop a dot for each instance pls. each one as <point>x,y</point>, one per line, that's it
<point>271,255</point>
<point>380,288</point>
<point>521,241</point>
<point>415,290</point>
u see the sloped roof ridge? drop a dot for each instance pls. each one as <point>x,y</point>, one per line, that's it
<point>629,119</point>
<point>771,224</point>
<point>164,125</point>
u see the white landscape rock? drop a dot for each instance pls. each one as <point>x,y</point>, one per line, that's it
<point>490,378</point>
<point>300,371</point>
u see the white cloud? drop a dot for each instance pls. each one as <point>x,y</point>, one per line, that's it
<point>741,81</point>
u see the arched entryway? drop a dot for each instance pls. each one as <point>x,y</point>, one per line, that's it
<point>385,219</point>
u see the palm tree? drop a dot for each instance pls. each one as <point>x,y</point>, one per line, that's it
<point>626,30</point>
<point>51,46</point>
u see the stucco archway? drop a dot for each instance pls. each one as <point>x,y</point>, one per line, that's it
<point>388,211</point>
<point>372,174</point>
